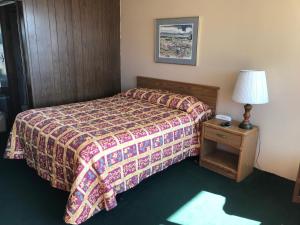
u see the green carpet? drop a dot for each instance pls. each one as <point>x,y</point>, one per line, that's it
<point>29,200</point>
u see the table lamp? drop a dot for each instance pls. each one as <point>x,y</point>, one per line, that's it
<point>250,88</point>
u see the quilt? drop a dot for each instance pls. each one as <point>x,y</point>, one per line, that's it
<point>100,148</point>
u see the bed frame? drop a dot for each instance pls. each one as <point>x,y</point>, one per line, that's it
<point>205,93</point>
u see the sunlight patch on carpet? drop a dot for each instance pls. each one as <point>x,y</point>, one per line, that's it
<point>207,209</point>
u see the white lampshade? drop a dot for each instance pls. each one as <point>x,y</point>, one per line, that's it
<point>251,87</point>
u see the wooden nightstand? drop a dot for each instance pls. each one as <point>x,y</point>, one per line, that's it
<point>229,151</point>
<point>296,195</point>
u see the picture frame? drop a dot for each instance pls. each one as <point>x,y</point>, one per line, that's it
<point>176,40</point>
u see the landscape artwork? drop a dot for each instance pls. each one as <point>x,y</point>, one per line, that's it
<point>176,40</point>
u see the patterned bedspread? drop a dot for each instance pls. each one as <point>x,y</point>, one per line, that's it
<point>100,148</point>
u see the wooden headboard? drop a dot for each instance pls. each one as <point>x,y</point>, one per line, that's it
<point>205,93</point>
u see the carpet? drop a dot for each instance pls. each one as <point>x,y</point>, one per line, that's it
<point>29,200</point>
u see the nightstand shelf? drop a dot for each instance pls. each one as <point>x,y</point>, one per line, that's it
<point>229,151</point>
<point>223,159</point>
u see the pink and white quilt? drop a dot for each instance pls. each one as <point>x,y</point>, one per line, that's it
<point>100,148</point>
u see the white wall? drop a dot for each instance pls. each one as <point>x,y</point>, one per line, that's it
<point>234,35</point>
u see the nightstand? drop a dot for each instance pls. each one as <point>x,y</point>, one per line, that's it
<point>229,151</point>
<point>296,195</point>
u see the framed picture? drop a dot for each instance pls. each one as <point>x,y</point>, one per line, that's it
<point>176,40</point>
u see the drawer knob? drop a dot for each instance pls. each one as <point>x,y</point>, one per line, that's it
<point>221,135</point>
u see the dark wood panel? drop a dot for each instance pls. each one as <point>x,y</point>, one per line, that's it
<point>66,59</point>
<point>74,49</point>
<point>55,59</point>
<point>78,51</point>
<point>71,52</point>
<point>205,93</point>
<point>87,50</point>
<point>43,42</point>
<point>31,46</point>
<point>113,20</point>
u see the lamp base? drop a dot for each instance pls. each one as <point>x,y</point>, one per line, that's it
<point>246,123</point>
<point>245,126</point>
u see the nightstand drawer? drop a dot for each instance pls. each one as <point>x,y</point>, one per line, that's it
<point>223,137</point>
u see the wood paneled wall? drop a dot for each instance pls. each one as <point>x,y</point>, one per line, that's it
<point>73,49</point>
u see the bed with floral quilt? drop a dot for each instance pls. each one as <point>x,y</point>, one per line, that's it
<point>100,148</point>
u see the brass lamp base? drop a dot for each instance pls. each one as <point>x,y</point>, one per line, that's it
<point>246,123</point>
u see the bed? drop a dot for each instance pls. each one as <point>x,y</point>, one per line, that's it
<point>100,148</point>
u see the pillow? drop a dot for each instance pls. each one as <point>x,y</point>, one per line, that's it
<point>190,104</point>
<point>142,93</point>
<point>200,112</point>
